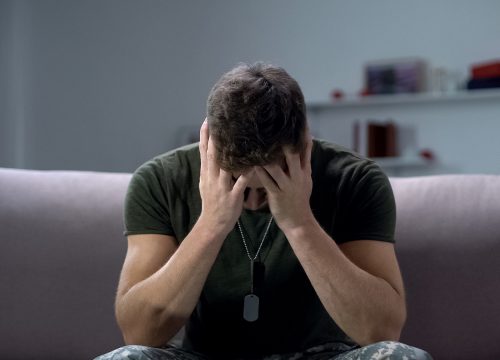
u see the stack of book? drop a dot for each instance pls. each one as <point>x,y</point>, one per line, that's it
<point>375,139</point>
<point>484,75</point>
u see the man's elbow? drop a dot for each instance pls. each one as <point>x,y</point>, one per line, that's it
<point>131,338</point>
<point>387,331</point>
<point>147,335</point>
<point>382,335</point>
<point>151,333</point>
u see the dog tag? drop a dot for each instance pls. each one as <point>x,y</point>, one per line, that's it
<point>251,308</point>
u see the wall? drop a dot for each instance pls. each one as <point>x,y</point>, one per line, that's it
<point>106,85</point>
<point>6,148</point>
<point>14,54</point>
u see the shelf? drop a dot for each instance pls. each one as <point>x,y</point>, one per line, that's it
<point>419,98</point>
<point>400,162</point>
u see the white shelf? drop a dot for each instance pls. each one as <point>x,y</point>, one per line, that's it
<point>400,162</point>
<point>376,100</point>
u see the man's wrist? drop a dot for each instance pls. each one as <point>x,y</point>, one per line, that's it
<point>300,229</point>
<point>212,228</point>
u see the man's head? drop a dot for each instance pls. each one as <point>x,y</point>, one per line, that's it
<point>254,111</point>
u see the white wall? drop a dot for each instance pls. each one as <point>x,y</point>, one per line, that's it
<point>13,100</point>
<point>6,148</point>
<point>106,85</point>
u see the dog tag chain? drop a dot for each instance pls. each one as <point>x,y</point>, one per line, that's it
<point>251,302</point>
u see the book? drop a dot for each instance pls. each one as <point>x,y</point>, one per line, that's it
<point>374,138</point>
<point>486,70</point>
<point>486,83</point>
<point>395,76</point>
<point>390,140</point>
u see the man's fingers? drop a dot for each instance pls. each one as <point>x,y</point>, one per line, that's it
<point>212,166</point>
<point>208,152</point>
<point>203,145</point>
<point>293,162</point>
<point>266,179</point>
<point>226,179</point>
<point>306,160</point>
<point>242,182</point>
<point>277,174</point>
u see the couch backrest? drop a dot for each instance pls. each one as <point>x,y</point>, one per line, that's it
<point>448,245</point>
<point>61,252</point>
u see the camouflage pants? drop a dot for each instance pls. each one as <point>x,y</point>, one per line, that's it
<point>386,350</point>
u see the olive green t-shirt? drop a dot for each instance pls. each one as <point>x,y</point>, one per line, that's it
<point>351,199</point>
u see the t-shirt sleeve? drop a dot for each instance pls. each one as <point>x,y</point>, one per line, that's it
<point>370,213</point>
<point>146,207</point>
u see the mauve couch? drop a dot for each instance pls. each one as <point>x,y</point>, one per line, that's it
<point>62,249</point>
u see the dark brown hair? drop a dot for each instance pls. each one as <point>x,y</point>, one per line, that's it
<point>253,111</point>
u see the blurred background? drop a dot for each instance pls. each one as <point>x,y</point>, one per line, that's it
<point>105,85</point>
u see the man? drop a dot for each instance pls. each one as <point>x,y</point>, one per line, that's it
<point>260,241</point>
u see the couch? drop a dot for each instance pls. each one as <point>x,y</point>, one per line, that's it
<point>62,249</point>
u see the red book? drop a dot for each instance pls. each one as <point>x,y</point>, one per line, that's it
<point>377,137</point>
<point>486,70</point>
<point>391,141</point>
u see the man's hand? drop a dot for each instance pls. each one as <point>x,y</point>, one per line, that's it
<point>221,196</point>
<point>288,192</point>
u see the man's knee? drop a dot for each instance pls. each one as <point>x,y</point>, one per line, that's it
<point>134,352</point>
<point>393,350</point>
<point>139,352</point>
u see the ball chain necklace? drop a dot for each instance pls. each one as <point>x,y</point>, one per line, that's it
<point>251,303</point>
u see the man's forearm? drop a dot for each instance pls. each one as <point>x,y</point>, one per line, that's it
<point>152,311</point>
<point>367,308</point>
